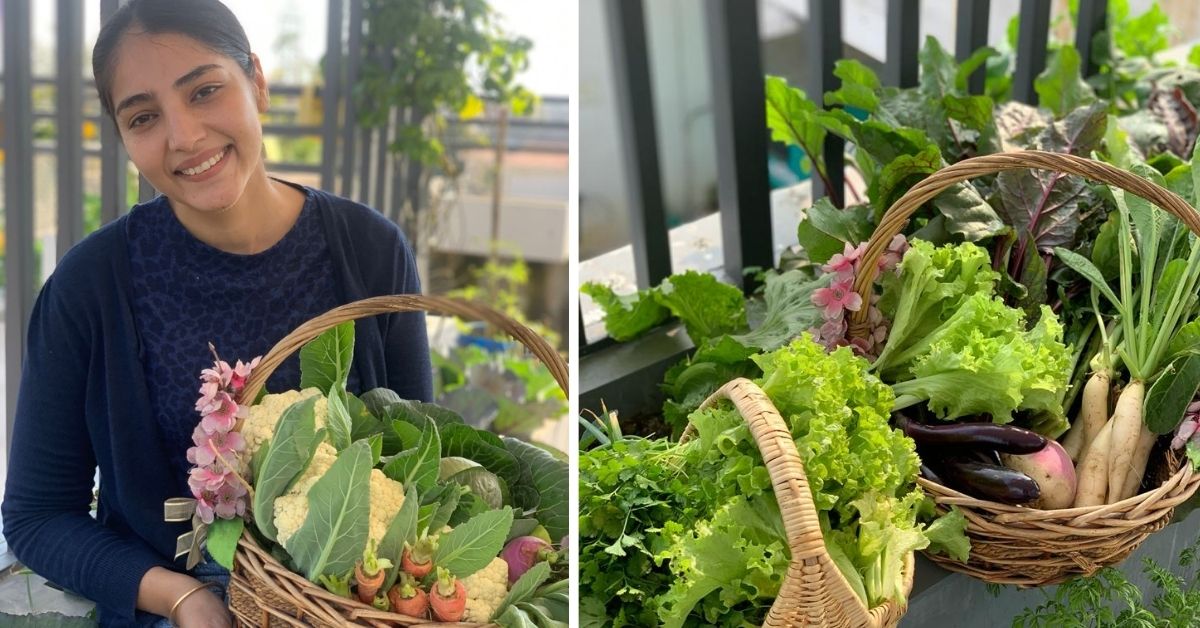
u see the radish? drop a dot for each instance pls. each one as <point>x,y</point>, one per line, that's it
<point>447,597</point>
<point>1091,485</point>
<point>1141,455</point>
<point>524,552</point>
<point>1127,431</point>
<point>1093,413</point>
<point>1053,471</point>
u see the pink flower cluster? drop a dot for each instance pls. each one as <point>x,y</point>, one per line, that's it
<point>1189,429</point>
<point>840,298</point>
<point>216,480</point>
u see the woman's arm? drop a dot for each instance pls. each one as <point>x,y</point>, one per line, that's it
<point>409,371</point>
<point>161,589</point>
<point>47,505</point>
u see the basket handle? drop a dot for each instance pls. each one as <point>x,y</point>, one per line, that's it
<point>403,303</point>
<point>800,522</point>
<point>897,216</point>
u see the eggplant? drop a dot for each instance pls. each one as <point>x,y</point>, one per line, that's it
<point>1008,439</point>
<point>929,474</point>
<point>990,481</point>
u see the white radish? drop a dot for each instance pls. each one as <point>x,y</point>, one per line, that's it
<point>1091,474</point>
<point>1141,456</point>
<point>1093,414</point>
<point>1127,429</point>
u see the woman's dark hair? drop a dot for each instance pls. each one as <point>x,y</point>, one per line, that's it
<point>207,21</point>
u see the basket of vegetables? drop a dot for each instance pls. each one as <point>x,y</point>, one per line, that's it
<point>788,500</point>
<point>379,511</point>
<point>815,592</point>
<point>962,363</point>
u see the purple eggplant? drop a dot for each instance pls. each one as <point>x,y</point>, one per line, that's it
<point>1003,438</point>
<point>990,481</point>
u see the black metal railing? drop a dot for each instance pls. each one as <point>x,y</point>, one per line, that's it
<point>737,83</point>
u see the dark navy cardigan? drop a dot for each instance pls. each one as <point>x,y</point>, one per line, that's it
<point>84,403</point>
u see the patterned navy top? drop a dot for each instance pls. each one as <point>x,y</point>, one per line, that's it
<point>187,294</point>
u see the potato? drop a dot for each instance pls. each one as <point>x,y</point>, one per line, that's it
<point>1052,469</point>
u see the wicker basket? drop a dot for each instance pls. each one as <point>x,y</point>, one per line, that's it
<point>814,593</point>
<point>265,593</point>
<point>1024,546</point>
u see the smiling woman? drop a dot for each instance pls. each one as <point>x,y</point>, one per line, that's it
<point>226,255</point>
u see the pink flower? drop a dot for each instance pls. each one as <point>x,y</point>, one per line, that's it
<point>894,253</point>
<point>204,506</point>
<point>837,297</point>
<point>208,392</point>
<point>220,415</point>
<point>205,479</point>
<point>1185,431</point>
<point>229,502</point>
<point>240,373</point>
<point>844,263</point>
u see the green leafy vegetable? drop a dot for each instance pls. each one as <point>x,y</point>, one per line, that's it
<point>325,361</point>
<point>472,545</point>
<point>334,533</point>
<point>626,316</point>
<point>293,444</point>
<point>221,542</point>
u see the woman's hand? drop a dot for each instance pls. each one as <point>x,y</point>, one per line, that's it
<point>162,593</point>
<point>203,609</point>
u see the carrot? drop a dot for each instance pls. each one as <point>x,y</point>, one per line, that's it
<point>1092,472</point>
<point>447,597</point>
<point>1093,414</point>
<point>369,574</point>
<point>407,598</point>
<point>1127,428</point>
<point>418,558</point>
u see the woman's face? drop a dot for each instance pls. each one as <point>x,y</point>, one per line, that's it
<point>189,118</point>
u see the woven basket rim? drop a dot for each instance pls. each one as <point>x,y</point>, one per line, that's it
<point>327,605</point>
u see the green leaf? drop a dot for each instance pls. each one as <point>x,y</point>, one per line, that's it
<point>222,539</point>
<point>966,213</point>
<point>293,444</point>
<point>407,434</point>
<point>376,443</point>
<point>338,418</point>
<point>970,64</point>
<point>1171,393</point>
<point>790,311</point>
<point>939,72</point>
<point>402,529</point>
<point>326,359</point>
<point>626,316</point>
<point>905,171</point>
<point>1144,35</point>
<point>472,545</point>
<point>793,120</point>
<point>1060,87</point>
<point>859,86</point>
<point>825,230</point>
<point>1186,339</point>
<point>974,111</point>
<point>1085,267</point>
<point>551,480</point>
<point>1193,454</point>
<point>334,533</point>
<point>525,586</point>
<point>1104,248</point>
<point>707,307</point>
<point>377,400</point>
<point>446,506</point>
<point>418,466</point>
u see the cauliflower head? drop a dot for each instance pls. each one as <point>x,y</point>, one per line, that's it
<point>387,496</point>
<point>260,421</point>
<point>486,588</point>
<point>291,508</point>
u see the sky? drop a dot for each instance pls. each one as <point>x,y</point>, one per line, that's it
<point>548,23</point>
